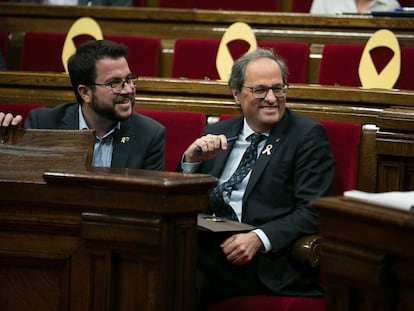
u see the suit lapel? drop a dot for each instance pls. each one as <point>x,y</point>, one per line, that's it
<point>122,146</point>
<point>269,150</point>
<point>222,156</point>
<point>70,120</point>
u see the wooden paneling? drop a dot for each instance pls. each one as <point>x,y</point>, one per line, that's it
<point>79,238</point>
<point>169,24</point>
<point>366,255</point>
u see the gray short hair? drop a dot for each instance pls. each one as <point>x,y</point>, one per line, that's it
<point>238,71</point>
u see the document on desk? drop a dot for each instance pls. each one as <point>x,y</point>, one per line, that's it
<point>403,200</point>
<point>218,224</point>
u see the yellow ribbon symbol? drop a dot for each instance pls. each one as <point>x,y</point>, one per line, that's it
<point>266,151</point>
<point>368,74</point>
<point>124,139</point>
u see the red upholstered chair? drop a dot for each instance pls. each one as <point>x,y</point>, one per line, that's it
<point>300,6</point>
<point>405,80</point>
<point>4,45</point>
<point>196,58</point>
<point>295,54</point>
<point>345,142</point>
<point>182,128</point>
<point>18,108</point>
<point>42,52</point>
<point>143,53</point>
<point>340,62</point>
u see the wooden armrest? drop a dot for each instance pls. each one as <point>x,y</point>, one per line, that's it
<point>306,250</point>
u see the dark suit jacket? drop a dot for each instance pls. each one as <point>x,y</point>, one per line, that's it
<point>299,169</point>
<point>143,150</point>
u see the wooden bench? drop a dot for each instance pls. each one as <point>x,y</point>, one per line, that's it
<point>169,24</point>
<point>390,111</point>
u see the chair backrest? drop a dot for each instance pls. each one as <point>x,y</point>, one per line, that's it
<point>43,52</point>
<point>143,53</point>
<point>4,45</point>
<point>295,54</point>
<point>22,109</point>
<point>344,139</point>
<point>300,6</point>
<point>340,62</point>
<point>182,128</point>
<point>196,58</point>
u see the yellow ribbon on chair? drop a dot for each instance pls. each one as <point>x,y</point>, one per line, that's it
<point>82,26</point>
<point>388,76</point>
<point>224,60</point>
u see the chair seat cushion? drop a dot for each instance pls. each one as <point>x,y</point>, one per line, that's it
<point>270,303</point>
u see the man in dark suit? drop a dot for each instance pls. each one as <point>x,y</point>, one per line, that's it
<point>294,165</point>
<point>105,91</point>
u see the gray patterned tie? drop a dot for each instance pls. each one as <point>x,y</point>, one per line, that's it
<point>220,208</point>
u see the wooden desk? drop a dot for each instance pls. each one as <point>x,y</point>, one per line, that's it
<point>367,258</point>
<point>169,24</point>
<point>98,239</point>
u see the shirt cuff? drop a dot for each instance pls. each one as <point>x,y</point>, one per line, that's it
<point>265,240</point>
<point>189,167</point>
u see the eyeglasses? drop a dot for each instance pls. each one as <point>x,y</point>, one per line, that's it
<point>117,85</point>
<point>260,92</point>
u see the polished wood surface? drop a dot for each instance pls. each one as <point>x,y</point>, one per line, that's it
<point>390,111</point>
<point>367,258</point>
<point>98,239</point>
<point>169,24</point>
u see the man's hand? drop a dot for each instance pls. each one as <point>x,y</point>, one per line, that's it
<point>8,119</point>
<point>241,248</point>
<point>204,148</point>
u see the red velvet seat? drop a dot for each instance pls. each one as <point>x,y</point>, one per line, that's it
<point>43,52</point>
<point>143,53</point>
<point>18,108</point>
<point>196,58</point>
<point>300,6</point>
<point>345,141</point>
<point>182,128</point>
<point>295,54</point>
<point>340,62</point>
<point>4,45</point>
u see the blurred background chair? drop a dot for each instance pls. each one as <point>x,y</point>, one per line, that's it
<point>42,52</point>
<point>340,62</point>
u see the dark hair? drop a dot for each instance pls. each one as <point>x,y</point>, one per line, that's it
<point>82,64</point>
<point>238,71</point>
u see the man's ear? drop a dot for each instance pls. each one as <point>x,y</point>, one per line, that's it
<point>236,95</point>
<point>85,93</point>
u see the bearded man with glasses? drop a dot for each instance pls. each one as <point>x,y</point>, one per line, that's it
<point>270,162</point>
<point>105,92</point>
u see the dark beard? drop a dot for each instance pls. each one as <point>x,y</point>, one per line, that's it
<point>108,112</point>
